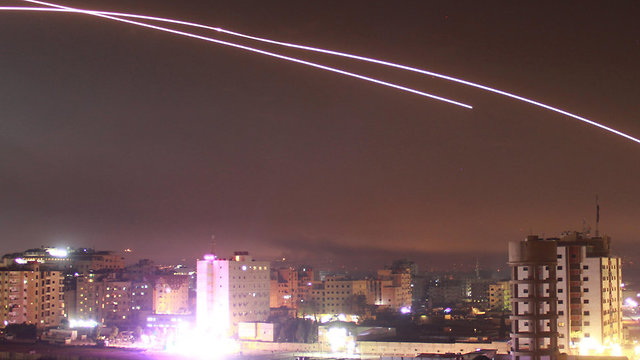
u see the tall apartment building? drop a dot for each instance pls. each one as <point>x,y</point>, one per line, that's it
<point>230,291</point>
<point>31,294</point>
<point>534,316</point>
<point>103,298</point>
<point>589,291</point>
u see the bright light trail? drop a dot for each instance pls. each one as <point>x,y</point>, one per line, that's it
<point>337,53</point>
<point>243,47</point>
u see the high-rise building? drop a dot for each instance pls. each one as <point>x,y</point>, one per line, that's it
<point>534,331</point>
<point>230,291</point>
<point>588,291</point>
<point>31,294</point>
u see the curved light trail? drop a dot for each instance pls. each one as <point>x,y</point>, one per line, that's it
<point>248,48</point>
<point>112,15</point>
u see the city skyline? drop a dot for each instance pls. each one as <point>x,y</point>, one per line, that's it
<point>147,141</point>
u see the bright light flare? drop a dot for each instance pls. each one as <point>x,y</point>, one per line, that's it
<point>248,48</point>
<point>58,252</point>
<point>80,323</point>
<point>201,345</point>
<point>337,338</point>
<point>331,52</point>
<point>629,302</point>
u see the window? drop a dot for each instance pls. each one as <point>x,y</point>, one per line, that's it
<point>586,313</point>
<point>586,289</point>
<point>560,301</point>
<point>559,256</point>
<point>586,301</point>
<point>586,278</point>
<point>559,279</point>
<point>560,291</point>
<point>560,267</point>
<point>560,312</point>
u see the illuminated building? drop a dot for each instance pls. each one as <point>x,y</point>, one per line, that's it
<point>500,296</point>
<point>589,292</point>
<point>86,260</point>
<point>230,291</point>
<point>284,288</point>
<point>171,295</point>
<point>534,331</point>
<point>141,299</point>
<point>82,260</point>
<point>53,258</point>
<point>394,289</point>
<point>86,292</point>
<point>305,282</point>
<point>333,296</point>
<point>31,294</point>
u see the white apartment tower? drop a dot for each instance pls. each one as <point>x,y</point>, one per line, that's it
<point>589,292</point>
<point>230,291</point>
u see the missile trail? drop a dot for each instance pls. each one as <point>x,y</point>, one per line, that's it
<point>263,52</point>
<point>342,54</point>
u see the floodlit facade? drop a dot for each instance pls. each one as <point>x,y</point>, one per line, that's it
<point>171,295</point>
<point>32,295</point>
<point>534,334</point>
<point>589,292</point>
<point>230,291</point>
<point>500,296</point>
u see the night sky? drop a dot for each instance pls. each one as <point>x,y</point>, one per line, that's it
<point>114,136</point>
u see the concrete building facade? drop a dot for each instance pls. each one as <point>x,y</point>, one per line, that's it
<point>589,292</point>
<point>534,330</point>
<point>31,294</point>
<point>230,291</point>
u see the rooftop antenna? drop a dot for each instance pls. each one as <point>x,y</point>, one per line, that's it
<point>597,216</point>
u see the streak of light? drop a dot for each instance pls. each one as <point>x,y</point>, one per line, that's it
<point>342,54</point>
<point>248,48</point>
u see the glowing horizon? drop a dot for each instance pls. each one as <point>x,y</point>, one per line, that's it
<point>112,16</point>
